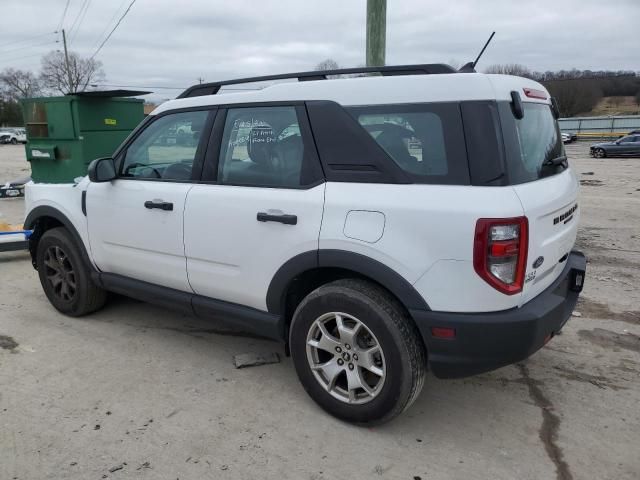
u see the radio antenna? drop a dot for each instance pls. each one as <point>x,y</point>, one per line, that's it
<point>483,49</point>
<point>471,66</point>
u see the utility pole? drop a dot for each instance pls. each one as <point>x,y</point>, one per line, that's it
<point>376,32</point>
<point>200,80</point>
<point>66,60</point>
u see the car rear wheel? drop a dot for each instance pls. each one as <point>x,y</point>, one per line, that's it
<point>64,277</point>
<point>600,153</point>
<point>356,352</point>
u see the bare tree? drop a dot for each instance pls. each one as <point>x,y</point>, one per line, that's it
<point>574,96</point>
<point>328,64</point>
<point>19,84</point>
<point>510,69</point>
<point>80,73</point>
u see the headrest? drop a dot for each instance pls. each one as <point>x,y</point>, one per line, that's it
<point>261,140</point>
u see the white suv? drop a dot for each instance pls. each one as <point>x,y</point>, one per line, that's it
<point>376,225</point>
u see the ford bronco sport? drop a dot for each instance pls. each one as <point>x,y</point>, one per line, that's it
<point>375,225</point>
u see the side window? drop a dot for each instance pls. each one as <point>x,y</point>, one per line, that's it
<point>263,146</point>
<point>166,149</point>
<point>415,140</point>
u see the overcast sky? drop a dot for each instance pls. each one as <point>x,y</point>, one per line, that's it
<point>173,43</point>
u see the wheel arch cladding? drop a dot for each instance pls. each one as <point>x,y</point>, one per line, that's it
<point>44,218</point>
<point>339,264</point>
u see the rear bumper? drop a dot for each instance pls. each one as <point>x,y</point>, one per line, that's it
<point>486,341</point>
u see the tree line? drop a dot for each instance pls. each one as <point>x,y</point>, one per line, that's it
<point>58,75</point>
<point>579,91</point>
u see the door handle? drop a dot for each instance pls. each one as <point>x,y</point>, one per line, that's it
<point>284,218</point>
<point>166,206</point>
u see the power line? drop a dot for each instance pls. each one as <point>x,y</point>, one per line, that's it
<point>28,38</point>
<point>64,14</point>
<point>75,34</point>
<point>80,16</point>
<point>106,27</point>
<point>9,60</point>
<point>27,46</point>
<point>30,46</point>
<point>114,28</point>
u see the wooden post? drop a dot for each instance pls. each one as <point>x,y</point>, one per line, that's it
<point>376,32</point>
<point>66,60</point>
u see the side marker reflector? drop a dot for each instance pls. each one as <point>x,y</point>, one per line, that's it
<point>443,332</point>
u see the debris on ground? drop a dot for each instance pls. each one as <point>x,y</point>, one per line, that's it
<point>116,468</point>
<point>7,343</point>
<point>576,314</point>
<point>255,359</point>
<point>587,173</point>
<point>144,465</point>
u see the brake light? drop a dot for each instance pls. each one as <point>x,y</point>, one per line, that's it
<point>534,93</point>
<point>500,252</point>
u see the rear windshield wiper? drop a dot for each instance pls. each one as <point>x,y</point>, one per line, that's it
<point>561,160</point>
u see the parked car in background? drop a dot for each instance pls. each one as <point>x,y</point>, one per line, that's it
<point>628,146</point>
<point>13,135</point>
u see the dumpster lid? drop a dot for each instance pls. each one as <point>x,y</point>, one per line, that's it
<point>110,93</point>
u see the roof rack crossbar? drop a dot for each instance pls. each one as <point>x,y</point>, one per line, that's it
<point>424,69</point>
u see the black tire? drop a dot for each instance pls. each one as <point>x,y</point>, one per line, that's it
<point>82,295</point>
<point>398,337</point>
<point>600,153</point>
<point>14,141</point>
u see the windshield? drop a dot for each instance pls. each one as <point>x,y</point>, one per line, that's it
<point>539,145</point>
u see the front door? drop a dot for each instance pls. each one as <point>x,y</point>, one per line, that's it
<point>136,221</point>
<point>261,204</point>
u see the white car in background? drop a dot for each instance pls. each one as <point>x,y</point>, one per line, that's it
<point>13,135</point>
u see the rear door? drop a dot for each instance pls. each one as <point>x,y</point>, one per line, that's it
<point>548,193</point>
<point>136,221</point>
<point>260,203</point>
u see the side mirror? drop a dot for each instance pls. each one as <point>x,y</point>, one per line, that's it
<point>516,105</point>
<point>102,170</point>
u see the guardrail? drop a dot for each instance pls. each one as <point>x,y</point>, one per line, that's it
<point>600,127</point>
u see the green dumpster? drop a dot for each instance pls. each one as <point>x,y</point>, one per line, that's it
<point>64,134</point>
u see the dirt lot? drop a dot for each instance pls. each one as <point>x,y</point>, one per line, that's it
<point>135,391</point>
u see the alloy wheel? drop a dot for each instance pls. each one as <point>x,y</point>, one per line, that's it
<point>60,273</point>
<point>346,358</point>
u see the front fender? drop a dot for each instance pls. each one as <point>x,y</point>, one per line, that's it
<point>44,217</point>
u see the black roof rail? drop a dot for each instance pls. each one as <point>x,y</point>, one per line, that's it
<point>424,69</point>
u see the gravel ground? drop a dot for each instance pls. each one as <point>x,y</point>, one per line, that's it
<point>135,391</point>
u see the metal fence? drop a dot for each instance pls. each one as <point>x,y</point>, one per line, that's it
<point>600,127</point>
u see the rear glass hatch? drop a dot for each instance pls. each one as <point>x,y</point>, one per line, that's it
<point>538,170</point>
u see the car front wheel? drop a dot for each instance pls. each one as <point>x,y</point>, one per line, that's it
<point>600,153</point>
<point>356,352</point>
<point>64,277</point>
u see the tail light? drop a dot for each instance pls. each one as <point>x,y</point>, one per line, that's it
<point>500,252</point>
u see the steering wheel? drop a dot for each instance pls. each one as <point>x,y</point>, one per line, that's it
<point>144,165</point>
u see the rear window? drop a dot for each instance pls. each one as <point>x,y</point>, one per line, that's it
<point>538,142</point>
<point>424,140</point>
